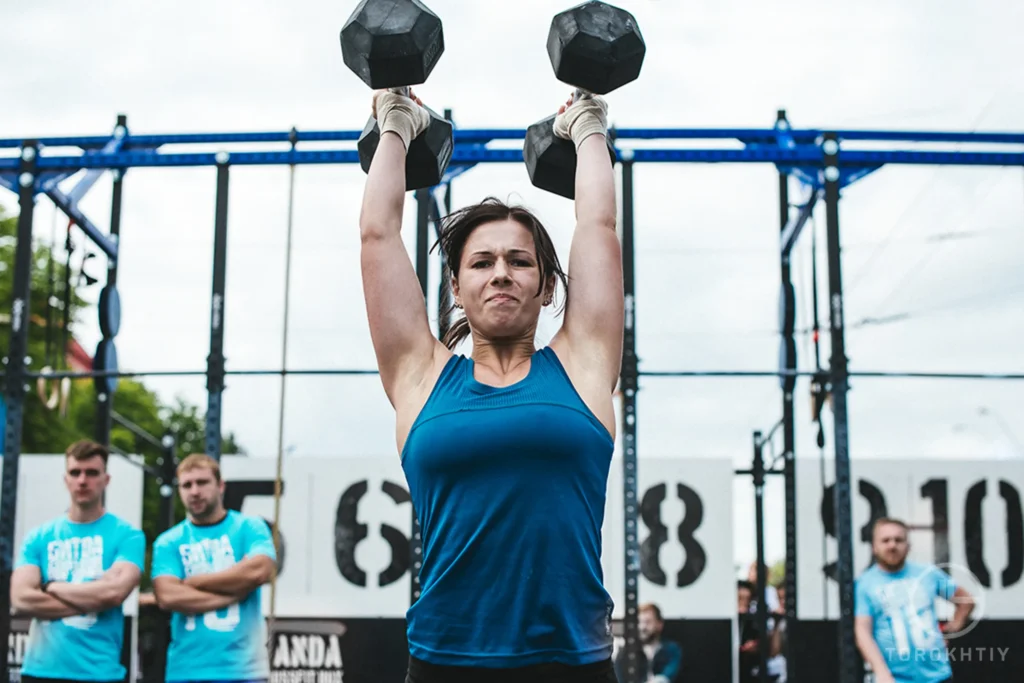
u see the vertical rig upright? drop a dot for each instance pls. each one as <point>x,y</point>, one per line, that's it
<point>763,637</point>
<point>629,385</point>
<point>839,379</point>
<point>17,359</point>
<point>787,327</point>
<point>424,201</point>
<point>215,361</point>
<point>110,311</point>
<point>444,290</point>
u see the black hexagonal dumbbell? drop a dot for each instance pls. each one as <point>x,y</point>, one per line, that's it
<point>597,48</point>
<point>395,44</point>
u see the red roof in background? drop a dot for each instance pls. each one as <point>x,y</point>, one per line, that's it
<point>78,359</point>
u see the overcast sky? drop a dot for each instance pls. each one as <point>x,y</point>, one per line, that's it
<point>942,245</point>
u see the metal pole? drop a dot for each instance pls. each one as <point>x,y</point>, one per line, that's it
<point>16,387</point>
<point>629,381</point>
<point>839,379</point>
<point>165,520</point>
<point>762,576</point>
<point>215,361</point>
<point>105,398</point>
<point>444,291</point>
<point>423,201</point>
<point>168,462</point>
<point>788,429</point>
<point>423,206</point>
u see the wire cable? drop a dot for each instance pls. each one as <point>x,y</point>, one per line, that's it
<point>859,275</point>
<point>284,380</point>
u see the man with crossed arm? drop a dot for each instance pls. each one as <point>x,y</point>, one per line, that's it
<point>71,576</point>
<point>897,630</point>
<point>208,571</point>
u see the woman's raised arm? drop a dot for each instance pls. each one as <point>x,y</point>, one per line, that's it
<point>395,306</point>
<point>594,315</point>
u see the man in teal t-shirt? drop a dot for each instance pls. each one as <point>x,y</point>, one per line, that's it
<point>71,576</point>
<point>207,571</point>
<point>897,630</point>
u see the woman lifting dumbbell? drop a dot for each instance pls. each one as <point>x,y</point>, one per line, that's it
<point>506,450</point>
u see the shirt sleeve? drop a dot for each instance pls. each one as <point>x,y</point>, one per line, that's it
<point>166,561</point>
<point>132,548</point>
<point>945,585</point>
<point>30,552</point>
<point>258,539</point>
<point>671,662</point>
<point>862,605</point>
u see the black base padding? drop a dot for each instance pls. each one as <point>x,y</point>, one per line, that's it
<point>990,653</point>
<point>338,651</point>
<point>376,650</point>
<point>706,646</point>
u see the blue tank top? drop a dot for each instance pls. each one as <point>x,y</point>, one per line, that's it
<point>509,487</point>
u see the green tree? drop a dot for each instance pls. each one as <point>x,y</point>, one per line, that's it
<point>777,573</point>
<point>41,427</point>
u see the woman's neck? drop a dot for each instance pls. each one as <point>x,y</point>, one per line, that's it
<point>503,358</point>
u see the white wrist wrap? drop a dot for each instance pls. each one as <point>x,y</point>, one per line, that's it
<point>585,117</point>
<point>400,114</point>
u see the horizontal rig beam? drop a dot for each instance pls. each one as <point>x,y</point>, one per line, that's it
<point>465,155</point>
<point>482,135</point>
<point>75,374</point>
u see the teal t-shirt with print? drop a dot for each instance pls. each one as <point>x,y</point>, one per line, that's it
<point>227,644</point>
<point>83,647</point>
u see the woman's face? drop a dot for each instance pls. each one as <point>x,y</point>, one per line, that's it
<point>499,276</point>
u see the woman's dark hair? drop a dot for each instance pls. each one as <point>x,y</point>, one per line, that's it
<point>455,230</point>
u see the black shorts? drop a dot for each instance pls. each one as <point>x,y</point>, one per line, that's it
<point>599,672</point>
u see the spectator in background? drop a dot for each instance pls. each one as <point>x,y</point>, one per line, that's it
<point>662,659</point>
<point>776,660</point>
<point>750,635</point>
<point>898,633</point>
<point>72,575</point>
<point>771,596</point>
<point>208,571</point>
<point>780,636</point>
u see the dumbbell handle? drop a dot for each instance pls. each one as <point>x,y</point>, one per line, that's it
<point>581,94</point>
<point>403,90</point>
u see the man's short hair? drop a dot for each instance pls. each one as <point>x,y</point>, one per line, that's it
<point>652,608</point>
<point>887,520</point>
<point>743,584</point>
<point>199,461</point>
<point>85,449</point>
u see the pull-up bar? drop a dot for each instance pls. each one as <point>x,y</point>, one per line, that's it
<point>778,145</point>
<point>462,155</point>
<point>482,135</point>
